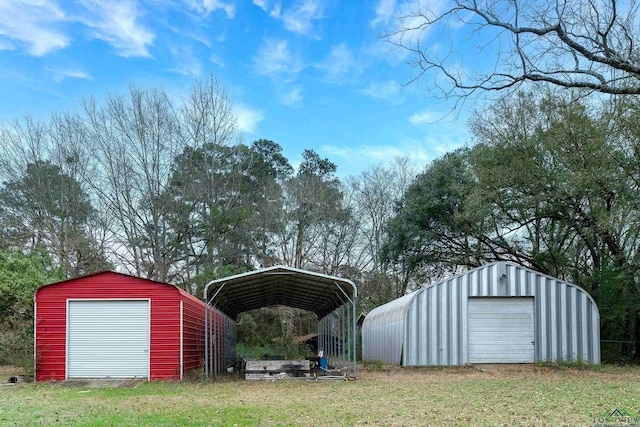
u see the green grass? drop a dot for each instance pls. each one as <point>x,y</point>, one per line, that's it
<point>389,396</point>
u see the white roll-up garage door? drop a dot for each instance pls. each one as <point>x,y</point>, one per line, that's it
<point>500,330</point>
<point>108,339</point>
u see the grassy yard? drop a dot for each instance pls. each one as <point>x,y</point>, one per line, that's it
<point>381,396</point>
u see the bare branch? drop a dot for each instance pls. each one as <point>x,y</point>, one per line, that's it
<point>583,44</point>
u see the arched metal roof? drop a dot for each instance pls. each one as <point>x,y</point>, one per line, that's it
<point>280,285</point>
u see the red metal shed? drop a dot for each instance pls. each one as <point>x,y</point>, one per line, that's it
<point>111,325</point>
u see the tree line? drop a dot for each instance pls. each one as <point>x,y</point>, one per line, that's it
<point>169,190</point>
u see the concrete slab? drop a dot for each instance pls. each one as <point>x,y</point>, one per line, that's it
<point>101,383</point>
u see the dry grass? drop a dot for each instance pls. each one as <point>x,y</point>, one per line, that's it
<point>7,372</point>
<point>382,395</point>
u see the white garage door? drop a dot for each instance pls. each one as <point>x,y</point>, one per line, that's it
<point>500,330</point>
<point>108,339</point>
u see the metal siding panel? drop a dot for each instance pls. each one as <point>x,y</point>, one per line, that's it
<point>574,315</point>
<point>165,335</point>
<point>541,321</point>
<point>589,333</point>
<point>501,330</point>
<point>409,350</point>
<point>461,307</point>
<point>432,342</point>
<point>418,308</point>
<point>194,334</point>
<point>484,283</point>
<point>454,350</point>
<point>419,339</point>
<point>181,340</point>
<point>108,339</point>
<point>383,331</point>
<point>445,324</point>
<point>514,288</point>
<point>529,286</point>
<point>562,316</point>
<point>50,352</point>
<point>583,353</point>
<point>439,323</point>
<point>548,311</point>
<point>423,347</point>
<point>595,332</point>
<point>414,330</point>
<point>471,284</point>
<point>555,325</point>
<point>486,287</point>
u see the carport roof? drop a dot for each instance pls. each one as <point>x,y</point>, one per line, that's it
<point>280,285</point>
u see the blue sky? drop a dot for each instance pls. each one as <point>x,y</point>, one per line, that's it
<point>306,74</point>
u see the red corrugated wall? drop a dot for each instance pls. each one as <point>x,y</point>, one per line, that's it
<point>51,304</point>
<point>193,332</point>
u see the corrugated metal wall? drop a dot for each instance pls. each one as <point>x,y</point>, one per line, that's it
<point>221,341</point>
<point>434,329</point>
<point>336,338</point>
<point>171,337</point>
<point>383,331</point>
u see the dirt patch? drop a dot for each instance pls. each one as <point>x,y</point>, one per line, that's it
<point>101,383</point>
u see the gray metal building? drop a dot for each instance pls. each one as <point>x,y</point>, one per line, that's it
<point>497,313</point>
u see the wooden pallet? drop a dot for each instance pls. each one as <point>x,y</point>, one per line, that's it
<point>277,369</point>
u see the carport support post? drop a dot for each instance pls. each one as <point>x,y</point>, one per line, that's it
<point>353,322</point>
<point>207,341</point>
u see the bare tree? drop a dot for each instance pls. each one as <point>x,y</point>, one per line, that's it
<point>377,192</point>
<point>134,140</point>
<point>585,44</point>
<point>211,171</point>
<point>45,197</point>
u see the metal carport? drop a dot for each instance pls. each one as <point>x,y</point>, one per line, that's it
<point>332,299</point>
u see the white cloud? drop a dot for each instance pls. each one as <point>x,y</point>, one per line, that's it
<point>186,63</point>
<point>248,118</point>
<point>275,12</point>
<point>421,144</point>
<point>6,45</point>
<point>385,11</point>
<point>389,91</point>
<point>357,158</point>
<point>377,153</point>
<point>117,23</point>
<point>59,74</point>
<point>34,23</point>
<point>293,97</point>
<point>262,4</point>
<point>299,19</point>
<point>404,23</point>
<point>208,6</point>
<point>422,118</point>
<point>339,63</point>
<point>275,60</point>
<point>217,60</point>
